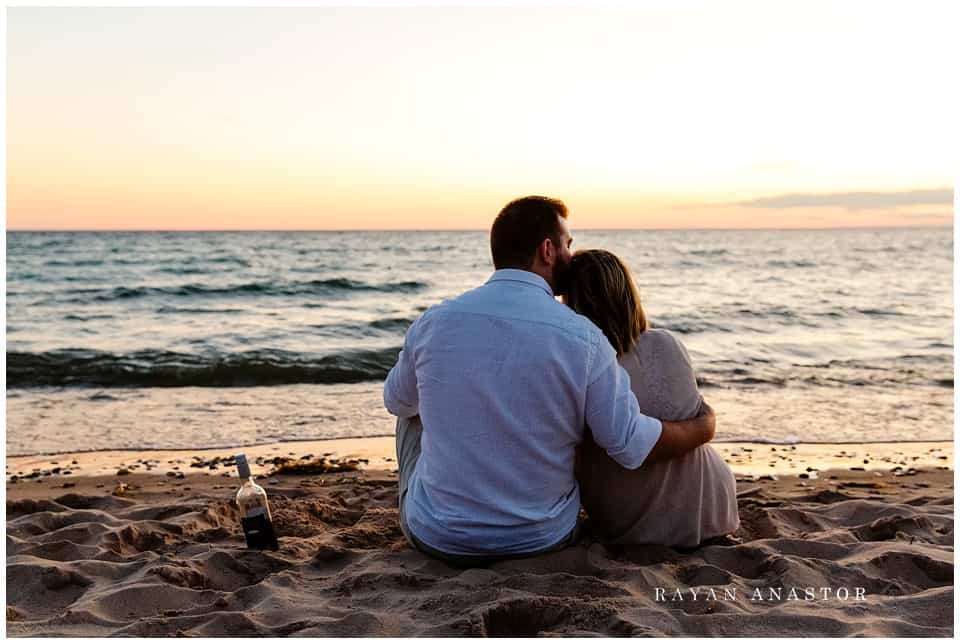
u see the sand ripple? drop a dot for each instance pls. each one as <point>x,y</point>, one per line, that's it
<point>85,565</point>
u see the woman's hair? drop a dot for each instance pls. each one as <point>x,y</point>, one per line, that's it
<point>601,288</point>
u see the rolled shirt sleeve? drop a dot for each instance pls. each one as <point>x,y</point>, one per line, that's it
<point>613,414</point>
<point>400,395</point>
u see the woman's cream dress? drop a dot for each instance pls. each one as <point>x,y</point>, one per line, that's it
<point>678,502</point>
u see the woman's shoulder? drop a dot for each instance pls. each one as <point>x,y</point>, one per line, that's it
<point>662,341</point>
<point>662,376</point>
<point>660,337</point>
<point>660,334</point>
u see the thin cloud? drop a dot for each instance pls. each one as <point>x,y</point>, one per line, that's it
<point>924,215</point>
<point>854,200</point>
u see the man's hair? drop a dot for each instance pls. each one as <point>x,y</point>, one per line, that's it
<point>521,227</point>
<point>602,289</point>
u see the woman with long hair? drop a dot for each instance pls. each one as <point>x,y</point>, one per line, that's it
<point>679,502</point>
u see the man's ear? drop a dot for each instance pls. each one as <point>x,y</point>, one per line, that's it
<point>546,251</point>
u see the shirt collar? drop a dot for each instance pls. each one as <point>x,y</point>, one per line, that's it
<point>517,275</point>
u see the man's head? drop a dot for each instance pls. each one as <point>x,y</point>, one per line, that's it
<point>531,234</point>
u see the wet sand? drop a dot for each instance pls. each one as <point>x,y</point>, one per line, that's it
<point>148,544</point>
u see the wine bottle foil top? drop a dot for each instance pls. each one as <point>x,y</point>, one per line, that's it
<point>243,468</point>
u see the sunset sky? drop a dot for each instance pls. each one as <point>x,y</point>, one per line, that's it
<point>667,115</point>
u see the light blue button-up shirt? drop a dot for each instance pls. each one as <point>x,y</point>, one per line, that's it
<point>504,378</point>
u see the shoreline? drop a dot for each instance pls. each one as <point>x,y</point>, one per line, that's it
<point>168,419</point>
<point>744,458</point>
<point>295,441</point>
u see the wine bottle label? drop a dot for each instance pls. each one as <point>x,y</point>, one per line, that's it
<point>259,533</point>
<point>256,511</point>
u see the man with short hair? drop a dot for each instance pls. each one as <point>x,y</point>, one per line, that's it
<point>492,391</point>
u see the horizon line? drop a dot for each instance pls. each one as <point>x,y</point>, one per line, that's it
<point>444,230</point>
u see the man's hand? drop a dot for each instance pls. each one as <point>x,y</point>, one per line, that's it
<point>680,437</point>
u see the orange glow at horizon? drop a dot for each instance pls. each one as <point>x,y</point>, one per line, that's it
<point>666,116</point>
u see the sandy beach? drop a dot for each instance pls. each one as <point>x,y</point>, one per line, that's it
<point>148,544</point>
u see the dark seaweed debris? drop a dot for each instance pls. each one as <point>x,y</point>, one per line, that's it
<point>321,465</point>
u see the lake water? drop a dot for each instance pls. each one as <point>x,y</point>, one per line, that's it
<point>189,340</point>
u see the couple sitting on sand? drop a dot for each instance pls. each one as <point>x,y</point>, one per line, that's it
<point>513,408</point>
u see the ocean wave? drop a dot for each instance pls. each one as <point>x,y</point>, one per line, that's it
<point>179,261</point>
<point>185,270</point>
<point>902,371</point>
<point>778,263</point>
<point>218,260</point>
<point>689,326</point>
<point>332,286</point>
<point>398,325</point>
<point>49,243</point>
<point>265,367</point>
<point>141,261</point>
<point>383,327</point>
<point>26,277</point>
<point>178,310</point>
<point>879,312</point>
<point>74,263</point>
<point>152,368</point>
<point>765,312</point>
<point>727,381</point>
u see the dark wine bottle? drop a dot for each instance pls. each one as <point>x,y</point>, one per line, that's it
<point>255,514</point>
